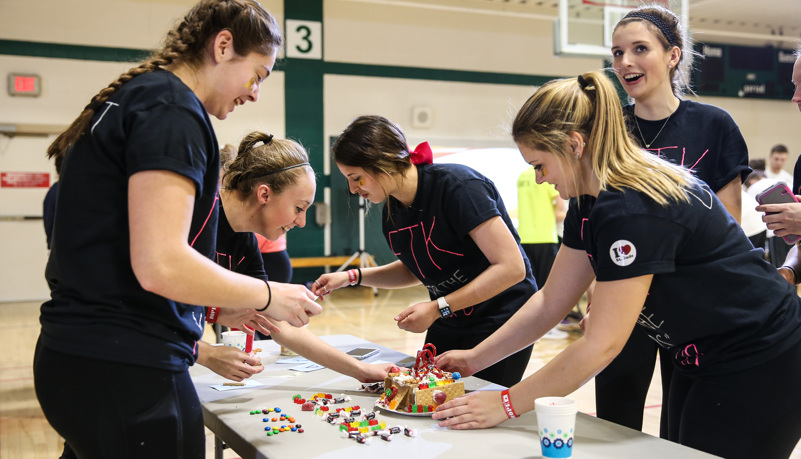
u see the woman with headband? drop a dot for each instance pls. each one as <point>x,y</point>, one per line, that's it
<point>652,59</point>
<point>449,228</point>
<point>668,258</point>
<point>267,187</point>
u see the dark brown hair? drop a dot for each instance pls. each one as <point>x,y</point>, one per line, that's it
<point>253,29</point>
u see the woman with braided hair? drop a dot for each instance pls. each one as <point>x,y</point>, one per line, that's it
<point>668,258</point>
<point>132,249</point>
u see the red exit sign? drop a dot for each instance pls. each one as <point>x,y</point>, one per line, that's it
<point>24,84</point>
<point>24,180</point>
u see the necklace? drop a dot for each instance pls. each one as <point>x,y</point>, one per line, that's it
<point>648,144</point>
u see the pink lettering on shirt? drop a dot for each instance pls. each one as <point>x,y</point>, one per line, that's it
<point>428,242</point>
<point>689,356</point>
<point>683,155</point>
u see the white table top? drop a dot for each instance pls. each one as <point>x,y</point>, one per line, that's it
<point>227,414</point>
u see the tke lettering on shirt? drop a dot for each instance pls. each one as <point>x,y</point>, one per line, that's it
<point>428,243</point>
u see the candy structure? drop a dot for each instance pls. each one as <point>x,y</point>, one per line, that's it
<point>422,388</point>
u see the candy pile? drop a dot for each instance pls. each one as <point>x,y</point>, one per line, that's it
<point>350,419</point>
<point>275,430</point>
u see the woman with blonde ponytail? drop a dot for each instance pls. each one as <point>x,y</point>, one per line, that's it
<point>652,58</point>
<point>666,256</point>
<point>132,246</point>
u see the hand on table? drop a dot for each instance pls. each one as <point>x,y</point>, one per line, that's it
<point>374,372</point>
<point>418,317</point>
<point>476,410</point>
<point>230,363</point>
<point>457,360</point>
<point>246,320</point>
<point>329,282</point>
<point>292,303</point>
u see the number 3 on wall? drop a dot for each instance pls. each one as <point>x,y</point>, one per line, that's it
<point>304,39</point>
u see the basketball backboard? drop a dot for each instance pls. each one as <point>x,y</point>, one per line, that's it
<point>584,27</point>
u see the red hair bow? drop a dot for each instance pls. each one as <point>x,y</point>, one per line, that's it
<point>422,154</point>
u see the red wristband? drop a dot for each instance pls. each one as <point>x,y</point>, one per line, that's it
<point>507,404</point>
<point>212,314</point>
<point>352,276</point>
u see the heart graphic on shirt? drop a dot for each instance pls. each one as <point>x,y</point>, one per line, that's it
<point>625,249</point>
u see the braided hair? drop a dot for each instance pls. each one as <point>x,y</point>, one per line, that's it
<point>253,29</point>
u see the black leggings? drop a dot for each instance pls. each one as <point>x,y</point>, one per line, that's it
<point>506,372</point>
<point>278,266</point>
<point>109,409</point>
<point>621,388</point>
<point>747,414</point>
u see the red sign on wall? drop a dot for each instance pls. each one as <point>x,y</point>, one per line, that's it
<point>24,180</point>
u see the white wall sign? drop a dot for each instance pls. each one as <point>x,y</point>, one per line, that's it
<point>304,39</point>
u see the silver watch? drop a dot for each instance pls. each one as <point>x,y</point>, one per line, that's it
<point>444,307</point>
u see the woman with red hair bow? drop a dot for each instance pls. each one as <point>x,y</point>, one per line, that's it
<point>449,228</point>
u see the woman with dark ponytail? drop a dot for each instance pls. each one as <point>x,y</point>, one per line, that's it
<point>130,260</point>
<point>666,256</point>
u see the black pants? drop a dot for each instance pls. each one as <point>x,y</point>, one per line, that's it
<point>109,409</point>
<point>278,267</point>
<point>777,251</point>
<point>747,414</point>
<point>541,257</point>
<point>506,372</point>
<point>621,388</point>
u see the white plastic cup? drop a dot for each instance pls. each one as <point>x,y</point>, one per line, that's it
<point>235,339</point>
<point>556,422</point>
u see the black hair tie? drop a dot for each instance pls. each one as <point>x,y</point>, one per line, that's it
<point>671,38</point>
<point>582,82</point>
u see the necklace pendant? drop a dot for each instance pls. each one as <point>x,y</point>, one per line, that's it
<point>647,145</point>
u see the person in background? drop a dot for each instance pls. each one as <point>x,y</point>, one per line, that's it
<point>131,254</point>
<point>785,219</point>
<point>776,161</point>
<point>652,59</point>
<point>540,209</point>
<point>267,188</point>
<point>669,258</point>
<point>450,230</point>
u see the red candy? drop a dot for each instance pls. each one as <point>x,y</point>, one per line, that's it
<point>308,406</point>
<point>440,397</point>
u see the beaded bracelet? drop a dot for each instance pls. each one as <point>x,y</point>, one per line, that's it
<point>507,404</point>
<point>269,300</point>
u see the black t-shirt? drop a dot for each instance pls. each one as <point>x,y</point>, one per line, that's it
<point>238,252</point>
<point>98,308</point>
<point>49,211</point>
<point>431,238</point>
<point>714,302</point>
<point>702,138</point>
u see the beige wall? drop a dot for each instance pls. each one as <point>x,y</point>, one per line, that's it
<point>465,114</point>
